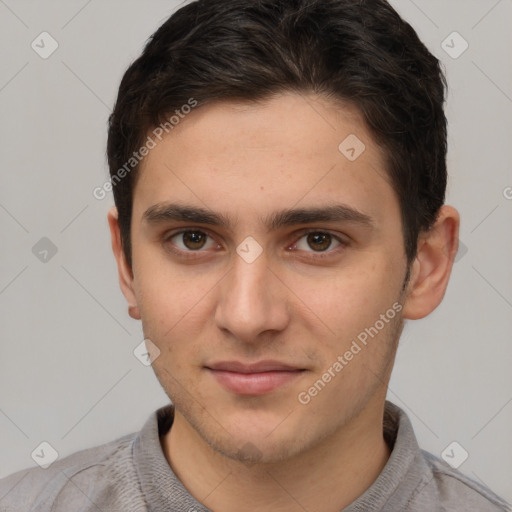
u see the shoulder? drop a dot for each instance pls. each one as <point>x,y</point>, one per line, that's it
<point>90,470</point>
<point>456,491</point>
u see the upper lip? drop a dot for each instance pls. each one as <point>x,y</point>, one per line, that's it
<point>259,367</point>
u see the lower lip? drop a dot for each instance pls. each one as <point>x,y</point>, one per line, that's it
<point>254,383</point>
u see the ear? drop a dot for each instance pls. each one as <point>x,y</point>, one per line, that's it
<point>431,269</point>
<point>124,271</point>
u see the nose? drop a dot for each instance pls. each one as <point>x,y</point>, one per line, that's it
<point>252,301</point>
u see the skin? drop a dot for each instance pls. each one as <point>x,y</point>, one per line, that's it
<point>246,161</point>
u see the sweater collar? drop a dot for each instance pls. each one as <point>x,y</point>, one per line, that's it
<point>393,488</point>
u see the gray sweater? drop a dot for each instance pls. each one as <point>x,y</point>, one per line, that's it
<point>131,474</point>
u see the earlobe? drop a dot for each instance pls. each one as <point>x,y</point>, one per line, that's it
<point>134,312</point>
<point>433,264</point>
<point>124,271</point>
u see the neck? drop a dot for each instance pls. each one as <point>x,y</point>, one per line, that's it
<point>328,477</point>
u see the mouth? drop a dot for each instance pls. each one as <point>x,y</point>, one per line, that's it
<point>253,379</point>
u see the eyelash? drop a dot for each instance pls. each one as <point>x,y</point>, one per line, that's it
<point>314,255</point>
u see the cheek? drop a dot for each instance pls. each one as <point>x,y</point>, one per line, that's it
<point>352,375</point>
<point>362,309</point>
<point>356,295</point>
<point>170,298</point>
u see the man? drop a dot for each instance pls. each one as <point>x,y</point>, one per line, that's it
<point>279,175</point>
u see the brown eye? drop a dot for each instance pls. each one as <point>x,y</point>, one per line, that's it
<point>319,241</point>
<point>194,239</point>
<point>191,240</point>
<point>319,244</point>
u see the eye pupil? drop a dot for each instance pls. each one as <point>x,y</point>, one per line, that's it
<point>321,240</point>
<point>194,239</point>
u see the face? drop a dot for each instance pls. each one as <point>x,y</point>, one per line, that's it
<point>268,270</point>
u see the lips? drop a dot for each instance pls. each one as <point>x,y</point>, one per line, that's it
<point>255,378</point>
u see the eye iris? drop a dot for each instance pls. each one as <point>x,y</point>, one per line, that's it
<point>321,240</point>
<point>194,239</point>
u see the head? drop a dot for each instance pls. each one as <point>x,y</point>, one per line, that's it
<point>279,173</point>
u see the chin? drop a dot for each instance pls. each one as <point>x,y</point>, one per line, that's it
<point>258,438</point>
<point>257,451</point>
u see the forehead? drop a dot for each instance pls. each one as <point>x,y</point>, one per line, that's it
<point>254,157</point>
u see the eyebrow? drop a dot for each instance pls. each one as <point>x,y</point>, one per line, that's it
<point>165,212</point>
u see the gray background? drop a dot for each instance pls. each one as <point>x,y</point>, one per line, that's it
<point>67,372</point>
